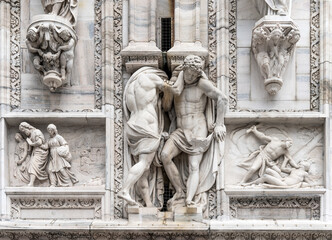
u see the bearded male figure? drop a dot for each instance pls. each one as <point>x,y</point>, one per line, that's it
<point>197,128</point>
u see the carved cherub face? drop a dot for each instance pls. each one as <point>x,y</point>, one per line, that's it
<point>32,35</point>
<point>276,34</point>
<point>65,35</point>
<point>295,37</point>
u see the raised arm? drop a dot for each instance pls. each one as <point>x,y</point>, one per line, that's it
<point>212,92</point>
<point>260,135</point>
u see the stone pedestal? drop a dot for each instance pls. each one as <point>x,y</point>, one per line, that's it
<point>188,214</point>
<point>51,41</point>
<point>273,41</point>
<point>142,214</point>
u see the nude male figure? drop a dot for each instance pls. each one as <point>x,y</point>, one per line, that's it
<point>274,149</point>
<point>142,129</point>
<point>296,176</point>
<point>190,105</point>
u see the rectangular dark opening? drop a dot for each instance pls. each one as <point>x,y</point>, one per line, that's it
<point>166,34</point>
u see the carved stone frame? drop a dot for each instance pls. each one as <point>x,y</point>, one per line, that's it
<point>19,203</point>
<point>311,203</point>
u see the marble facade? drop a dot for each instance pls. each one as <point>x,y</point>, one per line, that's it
<point>115,39</point>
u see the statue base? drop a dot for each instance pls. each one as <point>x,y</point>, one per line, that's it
<point>273,85</point>
<point>142,214</point>
<point>53,80</point>
<point>188,214</point>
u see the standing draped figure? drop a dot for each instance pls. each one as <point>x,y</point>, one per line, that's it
<point>62,8</point>
<point>38,160</point>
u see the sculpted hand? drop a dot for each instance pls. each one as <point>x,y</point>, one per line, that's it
<point>252,129</point>
<point>29,141</point>
<point>220,132</point>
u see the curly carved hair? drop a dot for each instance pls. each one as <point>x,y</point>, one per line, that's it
<point>194,62</point>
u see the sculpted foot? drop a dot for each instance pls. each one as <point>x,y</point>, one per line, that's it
<point>125,196</point>
<point>190,203</point>
<point>177,196</point>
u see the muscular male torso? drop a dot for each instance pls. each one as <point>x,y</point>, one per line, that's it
<point>142,96</point>
<point>275,149</point>
<point>189,107</point>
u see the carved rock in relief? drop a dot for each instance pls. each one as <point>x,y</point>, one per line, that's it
<point>59,161</point>
<point>48,159</point>
<point>51,41</point>
<point>273,43</point>
<point>275,157</point>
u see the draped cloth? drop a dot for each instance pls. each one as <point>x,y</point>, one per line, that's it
<point>141,140</point>
<point>212,156</point>
<point>38,160</point>
<point>68,10</point>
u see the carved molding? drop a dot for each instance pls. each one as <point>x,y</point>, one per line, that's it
<point>19,203</point>
<point>314,58</point>
<point>165,235</point>
<point>312,203</point>
<point>118,121</point>
<point>98,55</point>
<point>15,51</point>
<point>212,6</point>
<point>232,95</point>
<point>314,55</point>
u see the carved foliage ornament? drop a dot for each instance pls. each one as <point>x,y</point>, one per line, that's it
<point>17,204</point>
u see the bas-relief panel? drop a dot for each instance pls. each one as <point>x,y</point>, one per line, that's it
<point>296,90</point>
<point>81,95</point>
<point>87,146</point>
<point>241,145</point>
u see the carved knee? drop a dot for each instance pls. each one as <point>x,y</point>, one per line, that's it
<point>165,158</point>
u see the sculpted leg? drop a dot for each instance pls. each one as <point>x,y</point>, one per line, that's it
<point>134,174</point>
<point>255,166</point>
<point>143,187</point>
<point>193,179</point>
<point>169,152</point>
<point>32,180</point>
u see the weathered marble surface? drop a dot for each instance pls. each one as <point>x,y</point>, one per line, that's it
<point>87,144</point>
<point>307,145</point>
<point>81,95</point>
<point>293,95</point>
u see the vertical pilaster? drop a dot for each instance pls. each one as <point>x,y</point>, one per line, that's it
<point>108,83</point>
<point>4,100</point>
<point>222,83</point>
<point>326,99</point>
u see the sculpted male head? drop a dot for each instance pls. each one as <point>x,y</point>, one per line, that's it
<point>288,142</point>
<point>192,67</point>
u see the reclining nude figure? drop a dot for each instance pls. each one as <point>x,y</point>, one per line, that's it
<point>143,128</point>
<point>298,177</point>
<point>268,155</point>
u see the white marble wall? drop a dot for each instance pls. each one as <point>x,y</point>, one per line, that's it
<point>81,95</point>
<point>295,93</point>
